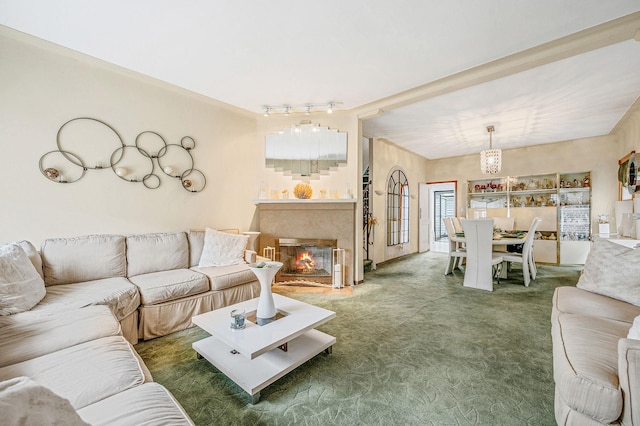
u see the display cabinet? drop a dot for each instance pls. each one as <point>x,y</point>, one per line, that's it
<point>487,195</point>
<point>562,201</point>
<point>533,191</point>
<point>574,217</point>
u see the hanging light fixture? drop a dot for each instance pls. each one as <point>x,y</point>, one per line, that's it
<point>307,108</point>
<point>491,159</point>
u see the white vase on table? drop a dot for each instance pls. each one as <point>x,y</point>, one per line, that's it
<point>266,311</point>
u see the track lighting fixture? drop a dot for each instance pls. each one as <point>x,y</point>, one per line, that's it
<point>307,109</point>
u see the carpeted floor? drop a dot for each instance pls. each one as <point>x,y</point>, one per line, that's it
<point>413,348</point>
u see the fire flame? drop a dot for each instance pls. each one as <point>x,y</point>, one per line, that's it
<point>305,261</point>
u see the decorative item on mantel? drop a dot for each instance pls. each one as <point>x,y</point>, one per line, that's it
<point>491,159</point>
<point>302,191</point>
<point>149,145</point>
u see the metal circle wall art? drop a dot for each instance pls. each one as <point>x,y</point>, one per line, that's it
<point>135,163</point>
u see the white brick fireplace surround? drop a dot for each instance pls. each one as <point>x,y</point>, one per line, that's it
<point>313,219</point>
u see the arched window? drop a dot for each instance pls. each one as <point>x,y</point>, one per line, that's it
<point>397,208</point>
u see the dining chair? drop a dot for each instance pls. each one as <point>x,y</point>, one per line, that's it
<point>456,252</point>
<point>457,224</point>
<point>482,263</point>
<point>526,257</point>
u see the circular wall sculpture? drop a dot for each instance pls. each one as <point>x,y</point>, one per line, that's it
<point>86,143</point>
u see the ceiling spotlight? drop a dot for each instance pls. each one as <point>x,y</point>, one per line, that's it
<point>308,108</point>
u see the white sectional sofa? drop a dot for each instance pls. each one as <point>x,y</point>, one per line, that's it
<point>596,365</point>
<point>103,293</point>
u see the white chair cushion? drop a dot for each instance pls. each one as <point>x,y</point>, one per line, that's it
<point>21,287</point>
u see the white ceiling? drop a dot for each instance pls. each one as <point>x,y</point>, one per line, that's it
<point>360,52</point>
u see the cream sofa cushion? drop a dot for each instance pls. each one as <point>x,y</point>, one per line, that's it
<point>158,287</point>
<point>196,244</point>
<point>25,402</point>
<point>21,287</point>
<point>148,253</point>
<point>85,373</point>
<point>222,277</point>
<point>222,249</point>
<point>612,270</point>
<point>32,253</point>
<point>148,404</point>
<point>119,294</point>
<point>634,331</point>
<point>586,370</point>
<point>574,300</point>
<point>35,333</point>
<point>78,259</point>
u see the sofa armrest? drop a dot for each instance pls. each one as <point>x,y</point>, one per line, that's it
<point>250,256</point>
<point>629,376</point>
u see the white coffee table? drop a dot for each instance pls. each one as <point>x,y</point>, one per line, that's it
<point>257,356</point>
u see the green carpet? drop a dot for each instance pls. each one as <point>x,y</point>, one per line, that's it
<point>413,347</point>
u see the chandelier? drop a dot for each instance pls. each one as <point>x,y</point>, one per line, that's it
<point>491,159</point>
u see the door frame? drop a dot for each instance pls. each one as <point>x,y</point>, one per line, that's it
<point>439,186</point>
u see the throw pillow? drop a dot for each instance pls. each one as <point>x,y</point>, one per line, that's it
<point>21,287</point>
<point>222,249</point>
<point>24,402</point>
<point>612,270</point>
<point>634,331</point>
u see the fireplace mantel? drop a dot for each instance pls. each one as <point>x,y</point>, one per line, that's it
<point>316,218</point>
<point>307,201</point>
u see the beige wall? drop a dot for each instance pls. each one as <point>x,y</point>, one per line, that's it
<point>386,156</point>
<point>44,85</point>
<point>628,131</point>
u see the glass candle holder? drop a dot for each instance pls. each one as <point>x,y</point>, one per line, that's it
<point>238,317</point>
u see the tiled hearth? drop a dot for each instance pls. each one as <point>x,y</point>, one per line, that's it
<point>330,219</point>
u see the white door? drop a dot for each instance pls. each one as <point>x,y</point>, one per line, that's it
<point>424,229</point>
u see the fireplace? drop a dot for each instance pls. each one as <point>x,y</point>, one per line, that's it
<point>305,260</point>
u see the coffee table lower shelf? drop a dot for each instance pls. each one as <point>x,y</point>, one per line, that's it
<point>253,375</point>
